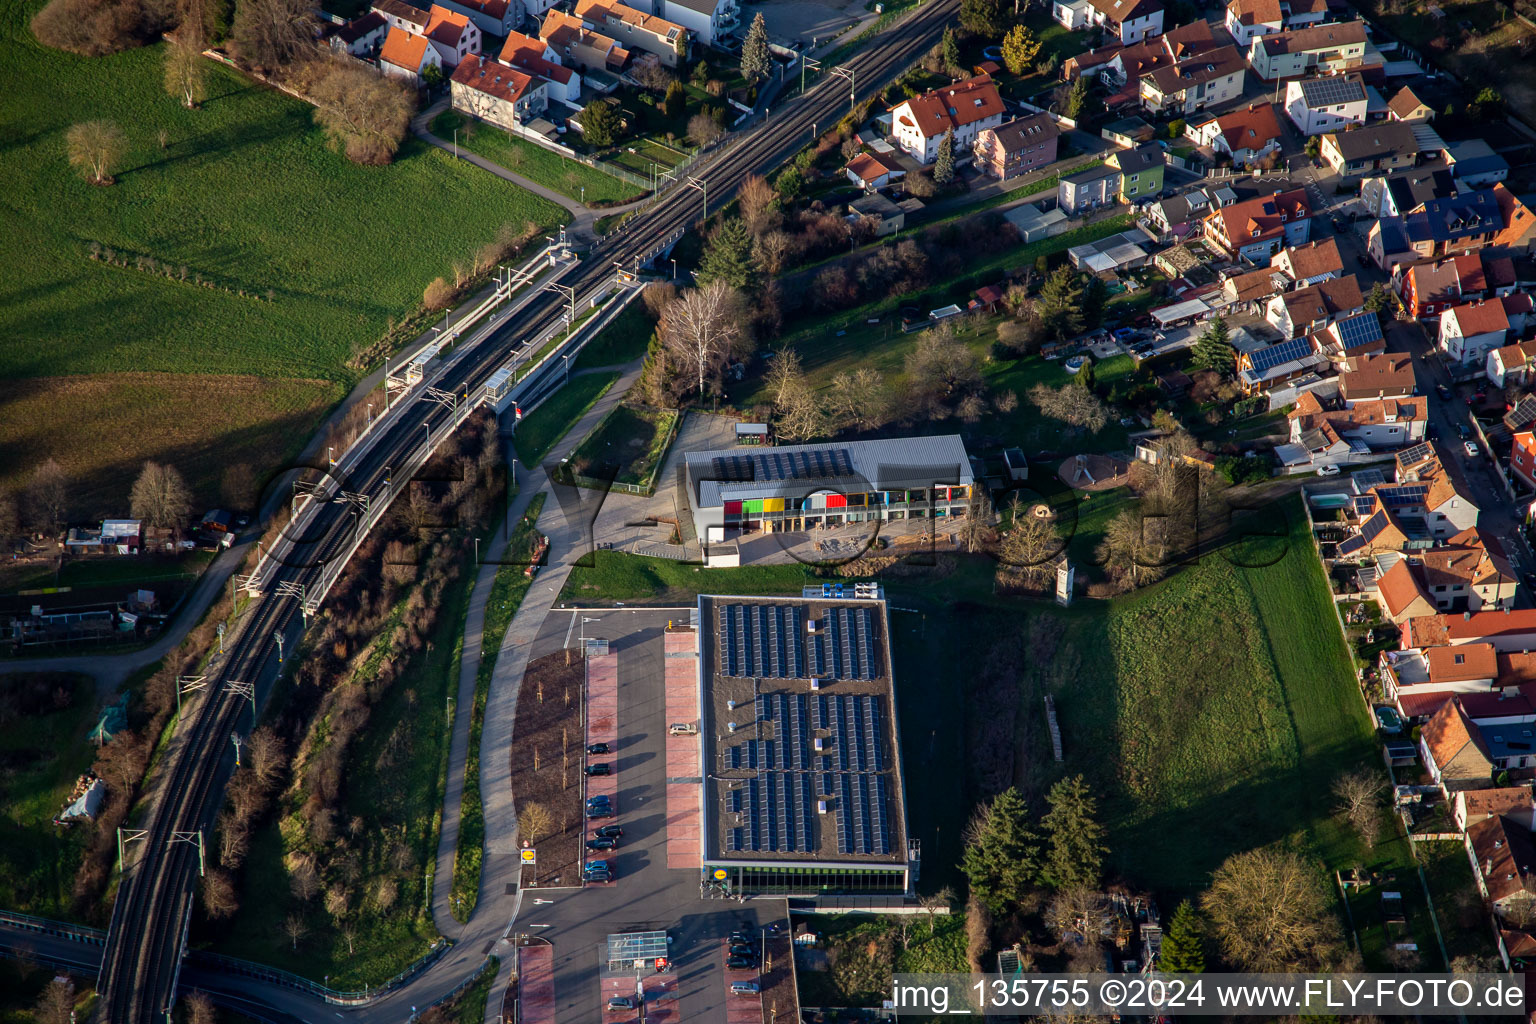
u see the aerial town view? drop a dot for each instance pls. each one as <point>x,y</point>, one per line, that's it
<point>766,511</point>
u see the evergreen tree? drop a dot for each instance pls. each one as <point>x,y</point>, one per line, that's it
<point>728,256</point>
<point>982,17</point>
<point>944,165</point>
<point>1213,350</point>
<point>1078,99</point>
<point>1095,296</point>
<point>1002,853</point>
<point>1379,301</point>
<point>1183,949</point>
<point>950,49</point>
<point>756,64</point>
<point>1075,840</point>
<point>675,101</point>
<point>1020,48</point>
<point>600,124</point>
<point>1061,304</point>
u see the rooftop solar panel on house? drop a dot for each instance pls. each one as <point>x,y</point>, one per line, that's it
<point>1285,352</point>
<point>1401,495</point>
<point>1414,455</point>
<point>1350,545</point>
<point>1357,330</point>
<point>1332,90</point>
<point>1364,505</point>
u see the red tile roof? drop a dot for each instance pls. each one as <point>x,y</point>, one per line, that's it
<point>1268,214</point>
<point>1389,373</point>
<point>1256,12</point>
<point>492,77</point>
<point>1461,663</point>
<point>446,27</point>
<point>527,53</point>
<point>1490,624</point>
<point>403,49</point>
<point>1519,221</point>
<point>1119,11</point>
<point>1479,318</point>
<point>868,166</point>
<point>1311,260</point>
<point>1314,37</point>
<point>1404,104</point>
<point>1252,128</point>
<point>953,106</point>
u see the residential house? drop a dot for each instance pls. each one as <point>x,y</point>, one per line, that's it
<point>406,56</point>
<point>1518,233</point>
<point>1470,331</point>
<point>636,29</point>
<point>1388,146</point>
<point>1474,164</point>
<point>711,22</point>
<point>1387,375</point>
<point>1454,751</point>
<point>1251,292</point>
<point>538,8</point>
<point>1261,369</point>
<point>453,35</point>
<point>1463,223</point>
<point>361,37</point>
<point>1088,190</point>
<point>1129,21</point>
<point>1459,578</point>
<point>1332,103</point>
<point>1511,631</point>
<point>402,15</point>
<point>1350,337</point>
<point>966,108</point>
<point>1522,458</point>
<point>538,58</point>
<point>1248,19</point>
<point>1406,107</point>
<point>1256,228</point>
<point>1174,215</point>
<point>578,45</point>
<point>1515,802</point>
<point>1503,858</point>
<point>1310,309</point>
<point>1331,430</point>
<point>1447,507</point>
<point>1247,135</point>
<point>493,17</point>
<point>1512,364</point>
<point>1017,147</point>
<point>1420,681</point>
<point>1325,49</point>
<point>1396,195</point>
<point>886,216</point>
<point>1309,264</point>
<point>1141,172</point>
<point>871,170</point>
<point>1429,288</point>
<point>1205,79</point>
<point>497,93</point>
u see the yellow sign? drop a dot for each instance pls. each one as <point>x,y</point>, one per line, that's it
<point>530,857</point>
<point>721,874</point>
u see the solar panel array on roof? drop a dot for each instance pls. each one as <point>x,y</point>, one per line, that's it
<point>1323,92</point>
<point>1285,352</point>
<point>1418,453</point>
<point>761,641</point>
<point>776,803</point>
<point>1363,329</point>
<point>815,464</point>
<point>1373,526</point>
<point>1364,505</point>
<point>1351,544</point>
<point>1401,495</point>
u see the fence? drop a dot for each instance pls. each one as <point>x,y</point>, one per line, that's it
<point>273,976</point>
<point>645,488</point>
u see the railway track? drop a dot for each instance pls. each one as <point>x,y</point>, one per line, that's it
<point>141,962</point>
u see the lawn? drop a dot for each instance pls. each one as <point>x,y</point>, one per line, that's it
<point>39,762</point>
<point>623,341</point>
<point>542,429</point>
<point>507,593</point>
<point>532,161</point>
<point>630,440</point>
<point>634,579</point>
<point>864,950</point>
<point>109,571</point>
<point>246,195</point>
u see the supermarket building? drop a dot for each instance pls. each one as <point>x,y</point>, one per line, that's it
<point>804,486</point>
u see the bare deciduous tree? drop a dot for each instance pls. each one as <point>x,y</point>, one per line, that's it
<point>1073,405</point>
<point>773,251</point>
<point>1271,911</point>
<point>200,1009</point>
<point>362,112</point>
<point>95,148</point>
<point>385,892</point>
<point>220,898</point>
<point>265,754</point>
<point>701,327</point>
<point>160,497</point>
<point>1076,911</point>
<point>758,203</point>
<point>534,822</point>
<point>1029,546</point>
<point>47,498</point>
<point>934,902</point>
<point>295,927</point>
<point>337,901</point>
<point>273,34</point>
<point>1359,794</point>
<point>57,1003</point>
<point>304,879</point>
<point>1136,546</point>
<point>186,76</point>
<point>859,398</point>
<point>704,130</point>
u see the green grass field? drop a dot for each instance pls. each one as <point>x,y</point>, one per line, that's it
<point>245,193</point>
<point>542,429</point>
<point>534,162</point>
<point>622,341</point>
<point>865,949</point>
<point>507,593</point>
<point>633,440</point>
<point>40,757</point>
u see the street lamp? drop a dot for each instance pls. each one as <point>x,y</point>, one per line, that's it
<point>428,425</point>
<point>674,268</point>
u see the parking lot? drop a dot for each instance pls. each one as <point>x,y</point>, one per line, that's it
<point>646,893</point>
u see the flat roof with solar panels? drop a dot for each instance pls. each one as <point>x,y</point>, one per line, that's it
<point>802,781</point>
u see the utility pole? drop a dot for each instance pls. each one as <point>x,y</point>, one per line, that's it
<point>814,64</point>
<point>702,186</point>
<point>844,71</point>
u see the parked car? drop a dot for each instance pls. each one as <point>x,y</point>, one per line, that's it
<point>1443,391</point>
<point>1327,470</point>
<point>1361,259</point>
<point>601,768</point>
<point>622,1003</point>
<point>597,867</point>
<point>1471,448</point>
<point>744,988</point>
<point>602,843</point>
<point>598,748</point>
<point>740,963</point>
<point>608,832</point>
